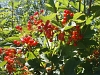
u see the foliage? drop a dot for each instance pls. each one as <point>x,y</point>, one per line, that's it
<point>53,37</point>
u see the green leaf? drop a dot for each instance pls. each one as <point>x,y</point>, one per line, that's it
<point>65,2</point>
<point>44,50</point>
<point>68,50</point>
<point>34,63</point>
<point>68,27</point>
<point>70,66</point>
<point>76,5</point>
<point>29,55</point>
<point>57,5</point>
<point>51,2</point>
<point>3,22</point>
<point>89,20</point>
<point>77,15</point>
<point>89,42</point>
<point>49,17</point>
<point>55,59</point>
<point>88,32</point>
<point>11,39</point>
<point>15,3</point>
<point>62,7</point>
<point>79,21</point>
<point>3,63</point>
<point>48,6</point>
<point>55,23</point>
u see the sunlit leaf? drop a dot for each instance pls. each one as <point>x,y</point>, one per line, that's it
<point>65,2</point>
<point>49,17</point>
<point>77,15</point>
<point>68,27</point>
<point>3,63</point>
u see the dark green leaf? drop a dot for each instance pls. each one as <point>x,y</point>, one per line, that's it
<point>57,24</point>
<point>48,6</point>
<point>70,66</point>
<point>77,15</point>
<point>34,63</point>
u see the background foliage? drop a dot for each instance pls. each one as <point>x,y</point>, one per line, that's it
<point>56,57</point>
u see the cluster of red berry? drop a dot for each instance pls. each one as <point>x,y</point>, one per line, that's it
<point>75,35</point>
<point>10,55</point>
<point>19,28</point>
<point>26,40</point>
<point>34,19</point>
<point>29,41</point>
<point>67,15</point>
<point>47,28</point>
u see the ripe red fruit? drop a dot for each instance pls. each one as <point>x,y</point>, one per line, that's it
<point>71,14</point>
<point>36,13</point>
<point>16,42</point>
<point>65,18</point>
<point>6,58</point>
<point>19,28</point>
<point>67,11</point>
<point>29,22</point>
<point>65,15</point>
<point>13,51</point>
<point>41,11</point>
<point>9,68</point>
<point>35,43</point>
<point>61,36</point>
<point>75,32</point>
<point>63,21</point>
<point>1,51</point>
<point>31,17</point>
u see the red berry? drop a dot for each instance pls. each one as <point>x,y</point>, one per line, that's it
<point>67,11</point>
<point>65,18</point>
<point>63,21</point>
<point>19,28</point>
<point>65,15</point>
<point>29,25</point>
<point>41,11</point>
<point>39,27</point>
<point>6,58</point>
<point>71,14</point>
<point>35,43</point>
<point>36,13</point>
<point>31,17</point>
<point>75,32</point>
<point>18,43</point>
<point>15,41</point>
<point>61,36</point>
<point>29,22</point>
<point>1,51</point>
